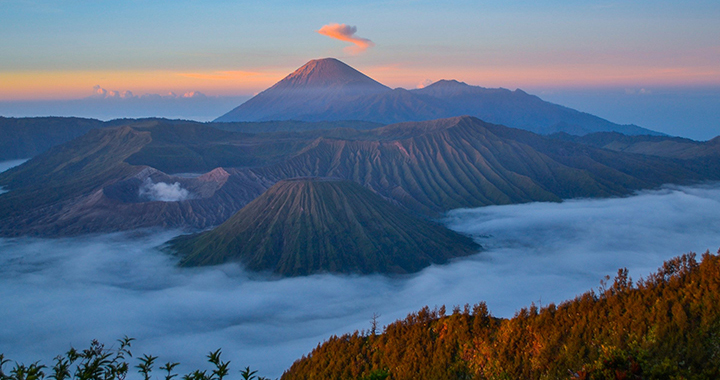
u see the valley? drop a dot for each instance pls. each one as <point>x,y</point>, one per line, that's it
<point>104,286</point>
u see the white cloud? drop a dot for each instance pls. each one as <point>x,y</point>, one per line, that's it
<point>70,291</point>
<point>194,94</point>
<point>103,93</point>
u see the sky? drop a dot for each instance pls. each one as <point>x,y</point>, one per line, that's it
<point>220,48</point>
<point>106,286</point>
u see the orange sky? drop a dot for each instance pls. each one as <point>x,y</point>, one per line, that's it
<point>79,84</point>
<point>21,85</point>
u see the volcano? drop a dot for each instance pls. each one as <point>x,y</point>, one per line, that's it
<point>329,90</point>
<point>314,225</point>
<point>308,90</point>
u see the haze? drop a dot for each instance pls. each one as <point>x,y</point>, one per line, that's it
<point>106,286</point>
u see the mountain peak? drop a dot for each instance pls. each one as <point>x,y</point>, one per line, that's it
<point>308,90</point>
<point>327,72</point>
<point>448,83</point>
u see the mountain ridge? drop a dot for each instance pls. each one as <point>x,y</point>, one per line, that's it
<point>427,167</point>
<point>329,90</point>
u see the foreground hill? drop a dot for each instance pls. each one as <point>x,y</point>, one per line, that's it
<point>328,90</point>
<point>663,327</point>
<point>94,183</point>
<point>310,225</point>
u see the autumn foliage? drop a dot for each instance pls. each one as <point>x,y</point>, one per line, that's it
<point>666,326</point>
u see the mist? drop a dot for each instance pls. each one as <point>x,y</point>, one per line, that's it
<point>62,292</point>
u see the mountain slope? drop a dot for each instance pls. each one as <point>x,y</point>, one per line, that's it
<point>308,90</point>
<point>438,165</point>
<point>88,186</point>
<point>519,109</point>
<point>309,225</point>
<point>663,327</point>
<point>662,146</point>
<point>92,184</point>
<point>28,137</point>
<point>327,89</point>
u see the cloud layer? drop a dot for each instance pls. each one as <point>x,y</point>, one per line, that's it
<point>102,93</point>
<point>346,33</point>
<point>69,291</point>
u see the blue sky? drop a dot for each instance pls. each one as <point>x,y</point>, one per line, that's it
<point>56,50</point>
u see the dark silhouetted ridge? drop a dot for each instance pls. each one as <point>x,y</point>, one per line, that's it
<point>310,225</point>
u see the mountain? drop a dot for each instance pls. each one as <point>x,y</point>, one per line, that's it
<point>329,90</point>
<point>435,166</point>
<point>519,109</point>
<point>661,146</point>
<point>309,225</point>
<point>28,137</point>
<point>310,89</point>
<point>88,186</point>
<point>105,180</point>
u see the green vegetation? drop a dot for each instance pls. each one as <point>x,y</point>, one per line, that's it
<point>666,326</point>
<point>310,225</point>
<point>100,363</point>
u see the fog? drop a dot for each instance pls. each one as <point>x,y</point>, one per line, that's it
<point>62,292</point>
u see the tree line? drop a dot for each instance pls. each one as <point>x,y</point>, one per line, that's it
<point>666,326</point>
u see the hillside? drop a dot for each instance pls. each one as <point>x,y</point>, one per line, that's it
<point>313,225</point>
<point>88,186</point>
<point>439,165</point>
<point>426,167</point>
<point>329,90</point>
<point>28,137</point>
<point>663,327</point>
<point>661,146</point>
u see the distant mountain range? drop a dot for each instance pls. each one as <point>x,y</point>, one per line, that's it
<point>392,181</point>
<point>93,183</point>
<point>308,225</point>
<point>328,90</point>
<point>29,136</point>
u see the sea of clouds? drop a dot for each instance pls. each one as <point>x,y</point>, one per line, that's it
<point>62,292</point>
